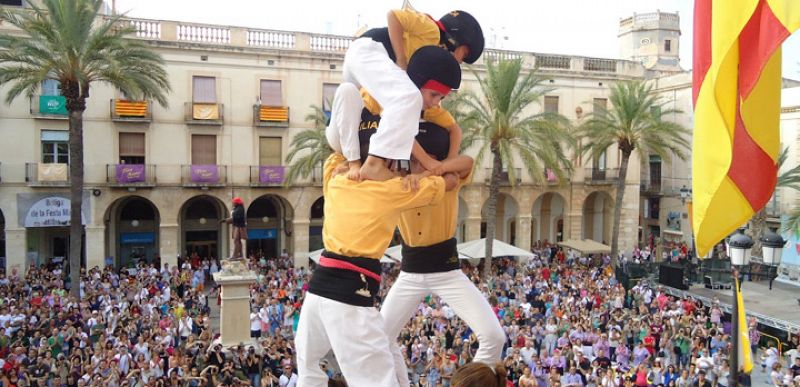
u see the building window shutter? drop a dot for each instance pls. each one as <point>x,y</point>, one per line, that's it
<point>271,93</point>
<point>204,149</point>
<point>204,90</point>
<point>269,151</point>
<point>600,104</point>
<point>131,144</point>
<point>551,104</point>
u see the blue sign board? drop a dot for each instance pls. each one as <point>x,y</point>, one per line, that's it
<point>262,233</point>
<point>137,238</point>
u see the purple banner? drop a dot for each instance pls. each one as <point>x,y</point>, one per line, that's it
<point>204,173</point>
<point>130,173</point>
<point>271,174</point>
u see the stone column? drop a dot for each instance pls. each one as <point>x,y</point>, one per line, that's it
<point>524,232</point>
<point>235,279</point>
<point>16,249</point>
<point>95,246</point>
<point>300,248</point>
<point>473,228</point>
<point>169,241</point>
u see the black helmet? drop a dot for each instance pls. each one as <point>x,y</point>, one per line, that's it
<point>465,30</point>
<point>433,63</point>
<point>434,139</point>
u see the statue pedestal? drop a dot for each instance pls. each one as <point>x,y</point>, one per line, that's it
<point>235,279</point>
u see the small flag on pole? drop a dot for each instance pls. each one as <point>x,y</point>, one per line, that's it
<point>745,356</point>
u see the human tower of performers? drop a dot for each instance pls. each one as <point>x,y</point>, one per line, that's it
<point>429,322</point>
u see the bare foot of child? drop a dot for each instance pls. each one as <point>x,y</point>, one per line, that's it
<point>354,170</point>
<point>375,169</point>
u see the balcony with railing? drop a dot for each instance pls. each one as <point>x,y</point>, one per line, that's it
<point>271,116</point>
<point>51,107</point>
<point>204,176</point>
<point>600,176</point>
<point>47,174</point>
<point>130,111</point>
<point>267,175</point>
<point>652,187</point>
<point>131,175</point>
<point>220,35</point>
<point>198,113</point>
<point>505,177</point>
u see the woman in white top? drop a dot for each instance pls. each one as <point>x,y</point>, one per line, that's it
<point>770,356</point>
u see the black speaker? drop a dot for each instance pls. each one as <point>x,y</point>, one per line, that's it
<point>672,276</point>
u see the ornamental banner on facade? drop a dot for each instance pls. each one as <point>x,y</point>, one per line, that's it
<point>271,174</point>
<point>204,173</point>
<point>47,210</point>
<point>52,172</point>
<point>130,173</point>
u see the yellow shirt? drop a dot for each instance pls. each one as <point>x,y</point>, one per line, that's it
<point>432,224</point>
<point>360,217</point>
<point>437,114</point>
<point>419,30</point>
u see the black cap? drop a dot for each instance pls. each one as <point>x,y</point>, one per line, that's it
<point>465,30</point>
<point>434,139</point>
<point>434,63</point>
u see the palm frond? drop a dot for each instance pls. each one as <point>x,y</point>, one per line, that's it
<point>792,223</point>
<point>71,42</point>
<point>791,177</point>
<point>309,149</point>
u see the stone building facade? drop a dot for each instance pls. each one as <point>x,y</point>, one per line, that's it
<point>158,179</point>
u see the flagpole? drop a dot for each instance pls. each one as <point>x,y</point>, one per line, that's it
<point>733,380</point>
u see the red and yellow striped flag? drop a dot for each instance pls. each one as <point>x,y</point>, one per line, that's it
<point>744,352</point>
<point>737,82</point>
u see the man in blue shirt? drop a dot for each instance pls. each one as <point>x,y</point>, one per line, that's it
<point>573,379</point>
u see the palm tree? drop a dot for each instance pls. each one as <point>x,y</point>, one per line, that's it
<point>71,42</point>
<point>634,125</point>
<point>312,143</point>
<point>499,122</point>
<point>788,179</point>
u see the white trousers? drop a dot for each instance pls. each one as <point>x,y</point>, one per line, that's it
<point>342,132</point>
<point>455,289</point>
<point>367,65</point>
<point>355,334</point>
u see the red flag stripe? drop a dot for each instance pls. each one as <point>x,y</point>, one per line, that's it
<point>752,170</point>
<point>702,45</point>
<point>761,36</point>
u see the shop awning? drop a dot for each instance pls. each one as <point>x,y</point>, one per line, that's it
<point>586,246</point>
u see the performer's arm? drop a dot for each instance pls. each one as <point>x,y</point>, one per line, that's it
<point>396,37</point>
<point>455,140</point>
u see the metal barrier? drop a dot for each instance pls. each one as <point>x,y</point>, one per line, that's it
<point>777,341</point>
<point>790,327</point>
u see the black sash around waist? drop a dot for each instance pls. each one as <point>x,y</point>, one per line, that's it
<point>346,286</point>
<point>436,258</point>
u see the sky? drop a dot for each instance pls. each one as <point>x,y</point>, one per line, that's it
<point>572,27</point>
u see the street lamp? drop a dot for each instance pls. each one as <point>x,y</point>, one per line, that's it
<point>772,248</point>
<point>739,248</point>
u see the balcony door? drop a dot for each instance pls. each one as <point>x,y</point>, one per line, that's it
<point>131,148</point>
<point>269,151</point>
<point>204,149</point>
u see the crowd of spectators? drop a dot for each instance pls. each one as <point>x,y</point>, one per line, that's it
<point>568,323</point>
